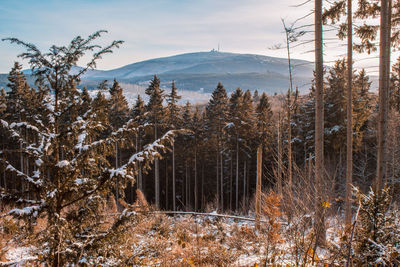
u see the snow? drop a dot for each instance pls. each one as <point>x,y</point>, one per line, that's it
<point>25,124</point>
<point>117,172</point>
<point>4,123</point>
<point>18,256</point>
<point>27,211</point>
<point>81,181</point>
<point>52,193</point>
<point>63,163</point>
<point>38,162</point>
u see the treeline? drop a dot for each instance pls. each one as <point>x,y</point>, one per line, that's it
<point>214,164</point>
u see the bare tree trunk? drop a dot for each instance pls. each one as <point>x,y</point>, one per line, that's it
<point>140,178</point>
<point>166,186</point>
<point>21,159</point>
<point>319,127</point>
<point>157,174</point>
<point>116,167</point>
<point>279,155</point>
<point>222,182</point>
<point>248,183</point>
<point>218,189</point>
<point>237,174</point>
<point>289,117</point>
<point>290,173</point>
<point>258,187</point>
<point>383,94</point>
<point>187,185</point>
<point>349,167</point>
<point>231,183</point>
<point>195,180</point>
<point>202,183</point>
<point>244,183</point>
<point>173,178</point>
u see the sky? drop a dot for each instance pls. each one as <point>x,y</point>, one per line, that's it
<point>157,28</point>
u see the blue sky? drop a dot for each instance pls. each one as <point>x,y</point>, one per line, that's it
<point>153,28</point>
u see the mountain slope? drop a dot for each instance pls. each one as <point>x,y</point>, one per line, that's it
<point>203,70</point>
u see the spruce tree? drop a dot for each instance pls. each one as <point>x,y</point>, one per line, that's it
<point>118,116</point>
<point>216,112</point>
<point>234,129</point>
<point>139,116</point>
<point>335,108</point>
<point>362,107</point>
<point>72,176</point>
<point>155,111</point>
<point>173,122</point>
<point>394,97</point>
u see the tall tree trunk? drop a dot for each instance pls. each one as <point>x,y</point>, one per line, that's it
<point>383,94</point>
<point>116,167</point>
<point>231,183</point>
<point>279,155</point>
<point>222,181</point>
<point>21,159</point>
<point>166,186</point>
<point>244,184</point>
<point>202,183</point>
<point>217,179</point>
<point>388,75</point>
<point>319,127</point>
<point>289,116</point>
<point>195,180</point>
<point>187,204</point>
<point>157,174</point>
<point>290,172</point>
<point>173,178</point>
<point>258,187</point>
<point>237,174</point>
<point>349,139</point>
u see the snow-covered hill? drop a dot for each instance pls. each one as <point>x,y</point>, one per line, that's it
<point>201,71</point>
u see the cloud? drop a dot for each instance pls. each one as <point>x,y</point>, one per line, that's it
<point>159,27</point>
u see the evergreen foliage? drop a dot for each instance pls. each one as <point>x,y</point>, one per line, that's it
<point>377,239</point>
<point>67,175</point>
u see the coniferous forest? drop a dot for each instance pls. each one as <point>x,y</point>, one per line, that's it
<point>246,179</point>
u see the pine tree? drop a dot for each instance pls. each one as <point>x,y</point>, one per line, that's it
<point>377,236</point>
<point>394,98</point>
<point>3,102</point>
<point>118,116</point>
<point>264,120</point>
<point>19,94</point>
<point>187,123</point>
<point>335,108</point>
<point>72,176</point>
<point>216,112</point>
<point>362,107</point>
<point>118,109</point>
<point>173,122</point>
<point>18,110</point>
<point>155,111</point>
<point>198,132</point>
<point>139,116</point>
<point>86,101</point>
<point>235,131</point>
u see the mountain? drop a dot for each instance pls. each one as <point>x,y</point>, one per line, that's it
<point>202,71</point>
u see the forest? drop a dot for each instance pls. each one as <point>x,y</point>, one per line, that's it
<point>246,179</point>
